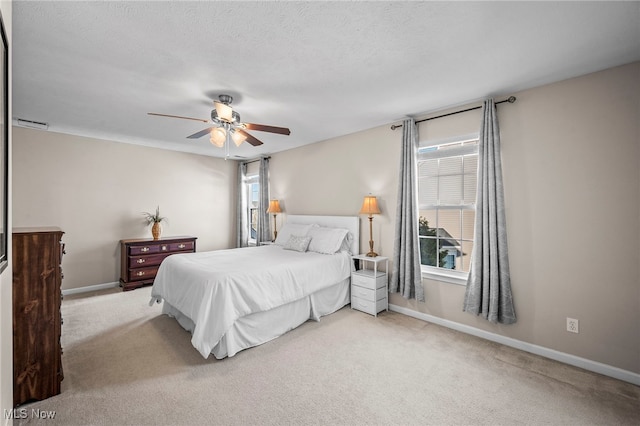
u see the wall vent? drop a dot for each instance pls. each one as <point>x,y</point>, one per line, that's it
<point>32,124</point>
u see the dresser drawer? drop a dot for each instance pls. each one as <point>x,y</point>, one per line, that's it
<point>173,247</point>
<point>144,261</point>
<point>365,279</point>
<point>142,273</point>
<point>184,245</point>
<point>367,293</point>
<point>146,249</point>
<point>368,306</point>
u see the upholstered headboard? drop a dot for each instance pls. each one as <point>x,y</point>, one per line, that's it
<point>352,223</point>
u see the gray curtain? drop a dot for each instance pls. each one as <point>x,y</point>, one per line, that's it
<point>242,221</point>
<point>264,230</point>
<point>406,276</point>
<point>488,290</point>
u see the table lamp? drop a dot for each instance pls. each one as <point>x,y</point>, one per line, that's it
<point>274,207</point>
<point>370,207</point>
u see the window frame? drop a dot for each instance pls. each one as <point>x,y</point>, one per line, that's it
<point>434,272</point>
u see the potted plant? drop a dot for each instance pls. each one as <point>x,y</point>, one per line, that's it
<point>154,219</point>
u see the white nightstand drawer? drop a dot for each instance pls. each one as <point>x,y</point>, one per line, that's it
<point>368,306</point>
<point>367,293</point>
<point>367,280</point>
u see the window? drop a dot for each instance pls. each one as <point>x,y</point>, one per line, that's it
<point>447,177</point>
<point>253,197</point>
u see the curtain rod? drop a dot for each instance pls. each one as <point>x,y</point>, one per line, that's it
<point>255,161</point>
<point>510,99</point>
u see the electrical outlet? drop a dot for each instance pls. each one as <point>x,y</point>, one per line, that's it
<point>573,325</point>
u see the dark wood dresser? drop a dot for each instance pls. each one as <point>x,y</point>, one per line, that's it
<point>37,321</point>
<point>141,258</point>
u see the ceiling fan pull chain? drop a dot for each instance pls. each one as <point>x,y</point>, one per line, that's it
<point>227,143</point>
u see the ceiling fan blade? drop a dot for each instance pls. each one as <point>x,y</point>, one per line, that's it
<point>178,116</point>
<point>201,133</point>
<point>265,128</point>
<point>250,139</point>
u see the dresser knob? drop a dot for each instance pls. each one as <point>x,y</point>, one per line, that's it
<point>140,261</point>
<point>140,273</point>
<point>144,249</point>
<point>164,248</point>
<point>181,246</point>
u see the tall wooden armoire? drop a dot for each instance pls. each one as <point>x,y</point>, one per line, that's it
<point>37,321</point>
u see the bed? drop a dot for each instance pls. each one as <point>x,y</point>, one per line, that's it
<point>235,299</point>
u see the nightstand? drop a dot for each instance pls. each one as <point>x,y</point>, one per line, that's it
<point>369,284</point>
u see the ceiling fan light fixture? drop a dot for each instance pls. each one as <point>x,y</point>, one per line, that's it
<point>238,138</point>
<point>227,126</point>
<point>225,112</point>
<point>218,137</point>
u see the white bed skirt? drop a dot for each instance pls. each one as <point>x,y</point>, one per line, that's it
<point>261,327</point>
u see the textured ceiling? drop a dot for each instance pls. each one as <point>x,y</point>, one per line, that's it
<point>323,69</point>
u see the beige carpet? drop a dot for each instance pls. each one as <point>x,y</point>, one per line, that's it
<point>125,363</point>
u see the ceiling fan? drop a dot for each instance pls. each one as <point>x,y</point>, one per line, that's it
<point>227,126</point>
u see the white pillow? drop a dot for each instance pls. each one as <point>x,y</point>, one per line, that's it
<point>289,229</point>
<point>346,243</point>
<point>326,240</point>
<point>297,243</point>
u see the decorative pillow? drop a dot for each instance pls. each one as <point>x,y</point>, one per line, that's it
<point>326,240</point>
<point>297,243</point>
<point>289,229</point>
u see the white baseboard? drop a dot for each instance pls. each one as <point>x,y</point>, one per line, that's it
<point>596,367</point>
<point>89,288</point>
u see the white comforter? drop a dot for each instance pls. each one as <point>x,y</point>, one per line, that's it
<point>216,288</point>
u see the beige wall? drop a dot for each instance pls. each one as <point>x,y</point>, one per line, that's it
<point>571,163</point>
<point>96,190</point>
<point>333,177</point>
<point>6,321</point>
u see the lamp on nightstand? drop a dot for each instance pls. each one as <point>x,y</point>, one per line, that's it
<point>274,207</point>
<point>370,207</point>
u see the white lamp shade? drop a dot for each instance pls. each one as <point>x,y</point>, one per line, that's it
<point>225,112</point>
<point>238,138</point>
<point>218,137</point>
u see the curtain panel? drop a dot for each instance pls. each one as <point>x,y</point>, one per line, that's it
<point>406,276</point>
<point>488,291</point>
<point>263,233</point>
<point>242,221</point>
